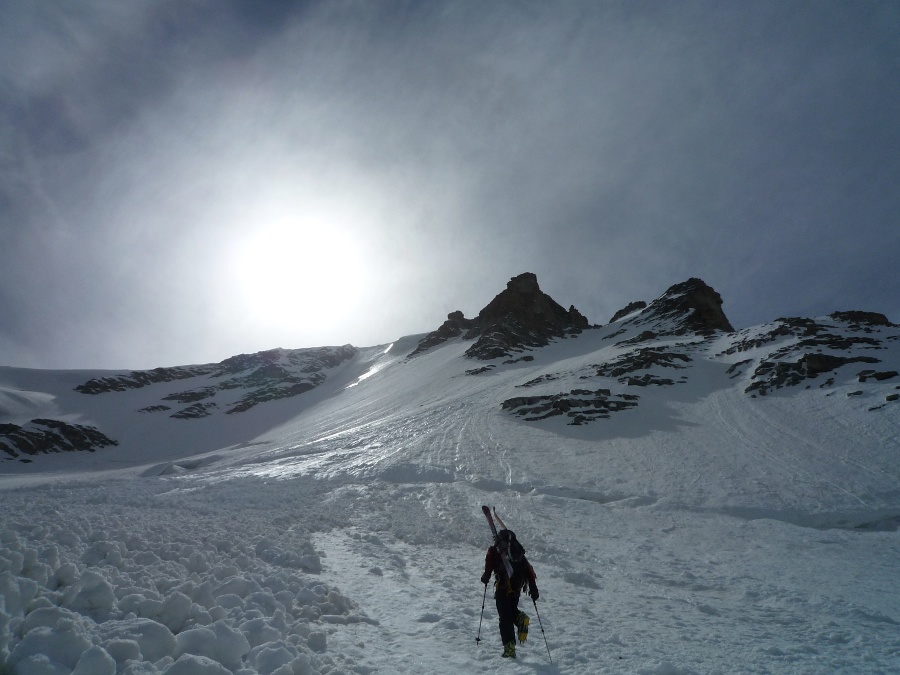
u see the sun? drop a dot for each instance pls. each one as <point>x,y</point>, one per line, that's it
<point>294,271</point>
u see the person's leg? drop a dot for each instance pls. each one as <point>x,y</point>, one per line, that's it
<point>507,610</point>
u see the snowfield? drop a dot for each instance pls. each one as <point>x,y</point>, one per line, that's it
<point>704,530</point>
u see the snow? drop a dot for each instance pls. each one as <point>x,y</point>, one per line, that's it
<point>705,531</point>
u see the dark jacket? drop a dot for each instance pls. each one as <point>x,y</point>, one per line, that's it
<point>523,574</point>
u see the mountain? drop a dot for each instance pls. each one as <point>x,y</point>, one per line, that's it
<point>694,498</point>
<point>637,349</point>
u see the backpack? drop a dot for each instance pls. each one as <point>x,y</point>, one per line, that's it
<point>522,570</point>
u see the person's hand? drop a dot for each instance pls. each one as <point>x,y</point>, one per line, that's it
<point>535,594</point>
<point>485,578</point>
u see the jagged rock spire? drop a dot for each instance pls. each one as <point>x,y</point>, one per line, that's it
<point>519,317</point>
<point>689,307</point>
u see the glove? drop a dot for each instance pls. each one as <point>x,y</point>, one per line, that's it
<point>485,578</point>
<point>535,594</point>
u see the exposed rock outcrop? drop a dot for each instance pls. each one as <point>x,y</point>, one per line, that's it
<point>689,307</point>
<point>812,336</point>
<point>580,405</point>
<point>866,375</point>
<point>518,318</point>
<point>776,374</point>
<point>42,436</point>
<point>859,319</point>
<point>642,359</point>
<point>455,325</point>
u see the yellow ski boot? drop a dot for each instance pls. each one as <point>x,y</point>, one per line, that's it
<point>522,622</point>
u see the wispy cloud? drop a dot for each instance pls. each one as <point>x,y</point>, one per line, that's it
<point>612,148</point>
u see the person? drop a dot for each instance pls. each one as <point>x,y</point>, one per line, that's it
<point>507,590</point>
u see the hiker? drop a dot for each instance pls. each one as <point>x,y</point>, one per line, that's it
<point>507,590</point>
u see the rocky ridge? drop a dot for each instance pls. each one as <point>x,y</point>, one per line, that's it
<point>661,343</point>
<point>264,376</point>
<point>232,386</point>
<point>520,318</point>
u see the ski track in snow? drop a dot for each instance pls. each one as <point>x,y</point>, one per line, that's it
<point>349,539</point>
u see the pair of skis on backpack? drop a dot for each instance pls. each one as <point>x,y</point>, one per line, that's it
<point>504,555</point>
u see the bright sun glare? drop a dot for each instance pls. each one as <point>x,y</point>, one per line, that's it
<point>293,271</point>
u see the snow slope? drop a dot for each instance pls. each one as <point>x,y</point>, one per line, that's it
<point>706,529</point>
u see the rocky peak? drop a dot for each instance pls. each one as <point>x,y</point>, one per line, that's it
<point>519,317</point>
<point>524,301</point>
<point>689,307</point>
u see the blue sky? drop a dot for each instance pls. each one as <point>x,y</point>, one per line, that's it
<point>185,180</point>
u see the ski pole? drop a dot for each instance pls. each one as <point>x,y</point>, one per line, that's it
<point>478,637</point>
<point>534,602</point>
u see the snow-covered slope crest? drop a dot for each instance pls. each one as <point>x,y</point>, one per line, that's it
<point>235,385</point>
<point>791,351</point>
<point>264,376</point>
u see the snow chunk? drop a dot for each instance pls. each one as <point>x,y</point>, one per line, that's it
<point>258,632</point>
<point>269,658</point>
<point>175,611</point>
<point>123,650</point>
<point>62,645</point>
<point>188,664</point>
<point>317,641</point>
<point>16,593</point>
<point>219,642</point>
<point>95,661</point>
<point>307,560</point>
<point>153,638</point>
<point>92,595</point>
<point>40,664</point>
<point>103,552</point>
<point>46,617</point>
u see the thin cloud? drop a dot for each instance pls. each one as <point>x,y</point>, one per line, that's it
<point>612,148</point>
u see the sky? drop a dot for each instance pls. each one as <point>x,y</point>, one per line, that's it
<point>185,180</point>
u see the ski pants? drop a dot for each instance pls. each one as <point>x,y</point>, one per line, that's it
<point>508,610</point>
